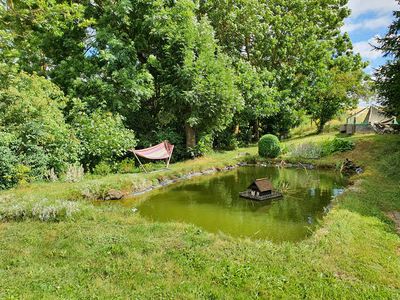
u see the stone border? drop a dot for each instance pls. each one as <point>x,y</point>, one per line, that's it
<point>217,170</point>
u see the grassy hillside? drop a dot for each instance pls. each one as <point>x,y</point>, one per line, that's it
<point>109,252</point>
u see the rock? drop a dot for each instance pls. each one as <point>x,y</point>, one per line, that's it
<point>114,195</point>
<point>349,167</point>
<point>241,154</point>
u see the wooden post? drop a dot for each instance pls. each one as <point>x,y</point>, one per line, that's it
<point>169,159</point>
<point>140,162</point>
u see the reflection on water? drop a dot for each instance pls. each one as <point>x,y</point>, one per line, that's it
<point>213,203</point>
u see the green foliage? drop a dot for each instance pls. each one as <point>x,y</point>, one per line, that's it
<point>102,168</point>
<point>44,210</point>
<point>309,150</point>
<point>8,162</point>
<point>128,165</point>
<point>35,131</point>
<point>204,145</point>
<point>388,76</point>
<point>226,140</point>
<point>74,173</point>
<point>337,145</point>
<point>176,139</point>
<point>163,69</point>
<point>315,150</point>
<point>269,146</point>
<point>103,136</point>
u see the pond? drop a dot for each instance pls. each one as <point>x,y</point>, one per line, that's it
<point>213,203</point>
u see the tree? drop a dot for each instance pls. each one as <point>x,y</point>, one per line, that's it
<point>335,92</point>
<point>195,81</point>
<point>388,76</point>
<point>292,40</point>
<point>337,83</point>
<point>31,112</point>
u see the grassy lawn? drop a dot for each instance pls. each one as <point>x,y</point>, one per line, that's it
<point>109,252</point>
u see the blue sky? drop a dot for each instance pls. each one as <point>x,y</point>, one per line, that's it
<point>369,18</point>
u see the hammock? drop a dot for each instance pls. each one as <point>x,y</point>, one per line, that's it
<point>161,151</point>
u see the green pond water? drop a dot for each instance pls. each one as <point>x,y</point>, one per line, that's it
<point>213,203</point>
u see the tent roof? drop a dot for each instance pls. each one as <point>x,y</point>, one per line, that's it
<point>368,115</point>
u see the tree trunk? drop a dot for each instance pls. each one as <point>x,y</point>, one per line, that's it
<point>256,130</point>
<point>320,126</point>
<point>190,136</point>
<point>237,129</point>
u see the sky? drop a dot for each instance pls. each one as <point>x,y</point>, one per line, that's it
<point>369,18</point>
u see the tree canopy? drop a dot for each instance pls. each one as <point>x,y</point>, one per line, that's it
<point>199,73</point>
<point>388,76</point>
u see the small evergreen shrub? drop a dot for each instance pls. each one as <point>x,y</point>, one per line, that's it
<point>269,146</point>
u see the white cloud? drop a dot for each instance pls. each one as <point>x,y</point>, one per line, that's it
<point>367,24</point>
<point>359,7</point>
<point>366,49</point>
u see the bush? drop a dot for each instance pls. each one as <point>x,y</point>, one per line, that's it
<point>316,150</point>
<point>226,140</point>
<point>102,168</point>
<point>35,131</point>
<point>269,146</point>
<point>203,146</point>
<point>74,173</point>
<point>127,165</point>
<point>103,137</point>
<point>307,150</point>
<point>337,145</point>
<point>44,210</point>
<point>8,176</point>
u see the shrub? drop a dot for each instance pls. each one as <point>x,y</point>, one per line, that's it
<point>226,140</point>
<point>316,150</point>
<point>174,138</point>
<point>203,146</point>
<point>74,173</point>
<point>102,168</point>
<point>337,145</point>
<point>8,176</point>
<point>269,146</point>
<point>127,165</point>
<point>307,150</point>
<point>44,210</point>
<point>103,137</point>
<point>32,115</point>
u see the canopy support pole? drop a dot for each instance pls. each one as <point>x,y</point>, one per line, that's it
<point>169,159</point>
<point>140,162</point>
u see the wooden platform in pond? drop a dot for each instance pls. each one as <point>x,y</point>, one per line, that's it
<point>248,195</point>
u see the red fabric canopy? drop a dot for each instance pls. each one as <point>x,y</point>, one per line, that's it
<point>160,151</point>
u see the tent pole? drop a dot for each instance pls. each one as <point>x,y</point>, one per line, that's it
<point>140,162</point>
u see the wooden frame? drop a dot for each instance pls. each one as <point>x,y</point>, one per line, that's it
<point>167,160</point>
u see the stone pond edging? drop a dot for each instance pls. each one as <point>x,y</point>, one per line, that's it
<point>214,170</point>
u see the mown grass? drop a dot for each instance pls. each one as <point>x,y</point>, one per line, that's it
<point>112,253</point>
